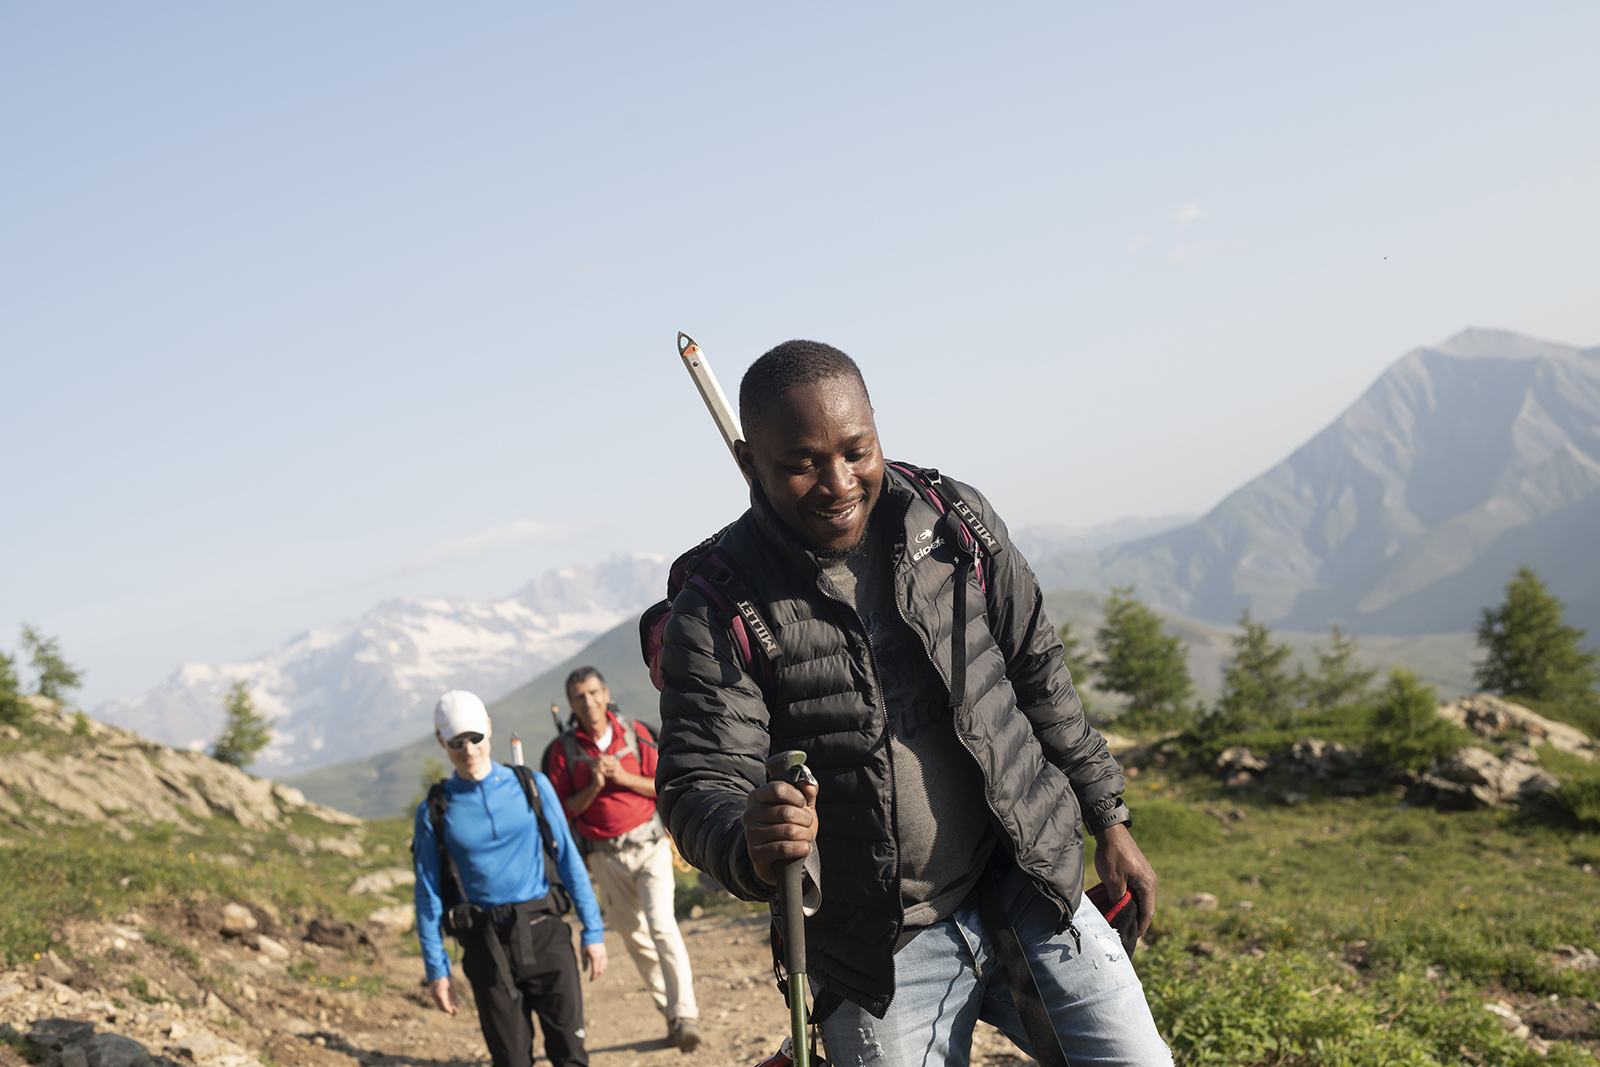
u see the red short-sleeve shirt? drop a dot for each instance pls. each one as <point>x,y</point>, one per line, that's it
<point>617,809</point>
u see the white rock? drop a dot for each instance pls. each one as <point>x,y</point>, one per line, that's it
<point>382,881</point>
<point>197,1046</point>
<point>346,846</point>
<point>236,919</point>
<point>397,919</point>
<point>271,949</point>
<point>1202,901</point>
<point>1487,716</point>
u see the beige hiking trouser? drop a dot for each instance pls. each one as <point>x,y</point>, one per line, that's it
<point>637,883</point>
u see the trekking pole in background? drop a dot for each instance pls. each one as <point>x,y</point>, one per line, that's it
<point>516,751</point>
<point>790,767</point>
<point>555,717</point>
<point>694,361</point>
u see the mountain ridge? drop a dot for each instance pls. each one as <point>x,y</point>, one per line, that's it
<point>1407,513</point>
<point>353,690</point>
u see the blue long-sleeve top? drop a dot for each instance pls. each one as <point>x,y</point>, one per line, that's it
<point>493,836</point>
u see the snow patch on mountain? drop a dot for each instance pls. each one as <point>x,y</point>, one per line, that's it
<point>344,693</point>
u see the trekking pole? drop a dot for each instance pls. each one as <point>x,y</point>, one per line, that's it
<point>790,767</point>
<point>516,751</point>
<point>555,716</point>
<point>694,361</point>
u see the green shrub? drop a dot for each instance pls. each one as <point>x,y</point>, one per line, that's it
<point>1405,731</point>
<point>1581,796</point>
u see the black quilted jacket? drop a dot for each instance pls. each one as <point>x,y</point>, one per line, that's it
<point>1042,764</point>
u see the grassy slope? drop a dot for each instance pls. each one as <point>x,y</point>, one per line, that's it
<point>1350,902</point>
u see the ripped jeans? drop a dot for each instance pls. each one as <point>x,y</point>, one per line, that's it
<point>947,979</point>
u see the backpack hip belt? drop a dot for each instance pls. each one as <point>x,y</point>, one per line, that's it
<point>646,833</point>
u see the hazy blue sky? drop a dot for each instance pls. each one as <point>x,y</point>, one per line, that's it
<point>307,305</point>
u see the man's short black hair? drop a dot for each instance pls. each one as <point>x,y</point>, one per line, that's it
<point>581,675</point>
<point>781,369</point>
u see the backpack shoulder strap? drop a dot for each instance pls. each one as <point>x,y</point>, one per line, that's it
<point>536,805</point>
<point>630,736</point>
<point>721,582</point>
<point>975,538</point>
<point>450,877</point>
<point>569,748</point>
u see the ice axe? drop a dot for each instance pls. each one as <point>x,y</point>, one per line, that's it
<point>790,766</point>
<point>694,361</point>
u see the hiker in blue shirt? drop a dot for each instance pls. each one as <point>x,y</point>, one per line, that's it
<point>494,896</point>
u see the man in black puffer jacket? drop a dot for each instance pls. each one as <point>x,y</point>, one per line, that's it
<point>925,799</point>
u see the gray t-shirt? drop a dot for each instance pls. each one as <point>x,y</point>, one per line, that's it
<point>941,816</point>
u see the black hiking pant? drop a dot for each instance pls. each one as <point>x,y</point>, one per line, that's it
<point>536,947</point>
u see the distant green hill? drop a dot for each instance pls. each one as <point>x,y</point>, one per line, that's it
<point>387,783</point>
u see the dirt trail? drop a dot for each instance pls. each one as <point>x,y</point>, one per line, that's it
<point>192,996</point>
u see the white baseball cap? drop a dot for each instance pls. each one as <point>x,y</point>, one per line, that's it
<point>460,712</point>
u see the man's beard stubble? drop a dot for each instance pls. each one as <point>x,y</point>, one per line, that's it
<point>840,555</point>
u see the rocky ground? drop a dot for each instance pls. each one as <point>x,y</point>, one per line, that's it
<point>171,988</point>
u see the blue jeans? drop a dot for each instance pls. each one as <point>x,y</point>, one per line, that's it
<point>947,979</point>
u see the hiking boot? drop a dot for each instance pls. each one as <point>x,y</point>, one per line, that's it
<point>685,1035</point>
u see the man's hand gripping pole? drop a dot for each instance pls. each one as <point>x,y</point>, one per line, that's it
<point>791,767</point>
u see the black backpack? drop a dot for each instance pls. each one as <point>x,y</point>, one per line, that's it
<point>714,574</point>
<point>460,914</point>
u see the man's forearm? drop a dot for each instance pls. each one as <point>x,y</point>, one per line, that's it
<point>638,783</point>
<point>579,802</point>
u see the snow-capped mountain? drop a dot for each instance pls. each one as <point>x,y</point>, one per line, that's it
<point>344,693</point>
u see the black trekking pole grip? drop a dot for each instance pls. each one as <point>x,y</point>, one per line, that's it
<point>790,766</point>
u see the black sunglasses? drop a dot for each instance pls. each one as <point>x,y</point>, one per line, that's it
<point>459,743</point>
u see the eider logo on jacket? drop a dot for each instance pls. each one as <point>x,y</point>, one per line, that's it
<point>923,536</point>
<point>916,557</point>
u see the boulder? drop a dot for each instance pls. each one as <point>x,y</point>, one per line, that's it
<point>236,920</point>
<point>271,949</point>
<point>1490,781</point>
<point>1201,901</point>
<point>1566,957</point>
<point>1490,716</point>
<point>336,934</point>
<point>1240,758</point>
<point>1319,759</point>
<point>114,1050</point>
<point>56,1034</point>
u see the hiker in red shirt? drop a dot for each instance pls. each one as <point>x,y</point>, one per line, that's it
<point>603,769</point>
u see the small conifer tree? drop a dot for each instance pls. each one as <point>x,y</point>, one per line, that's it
<point>12,709</point>
<point>1530,653</point>
<point>245,733</point>
<point>1143,662</point>
<point>1406,733</point>
<point>1256,690</point>
<point>1338,681</point>
<point>1076,658</point>
<point>56,675</point>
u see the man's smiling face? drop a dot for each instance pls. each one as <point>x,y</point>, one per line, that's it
<point>816,455</point>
